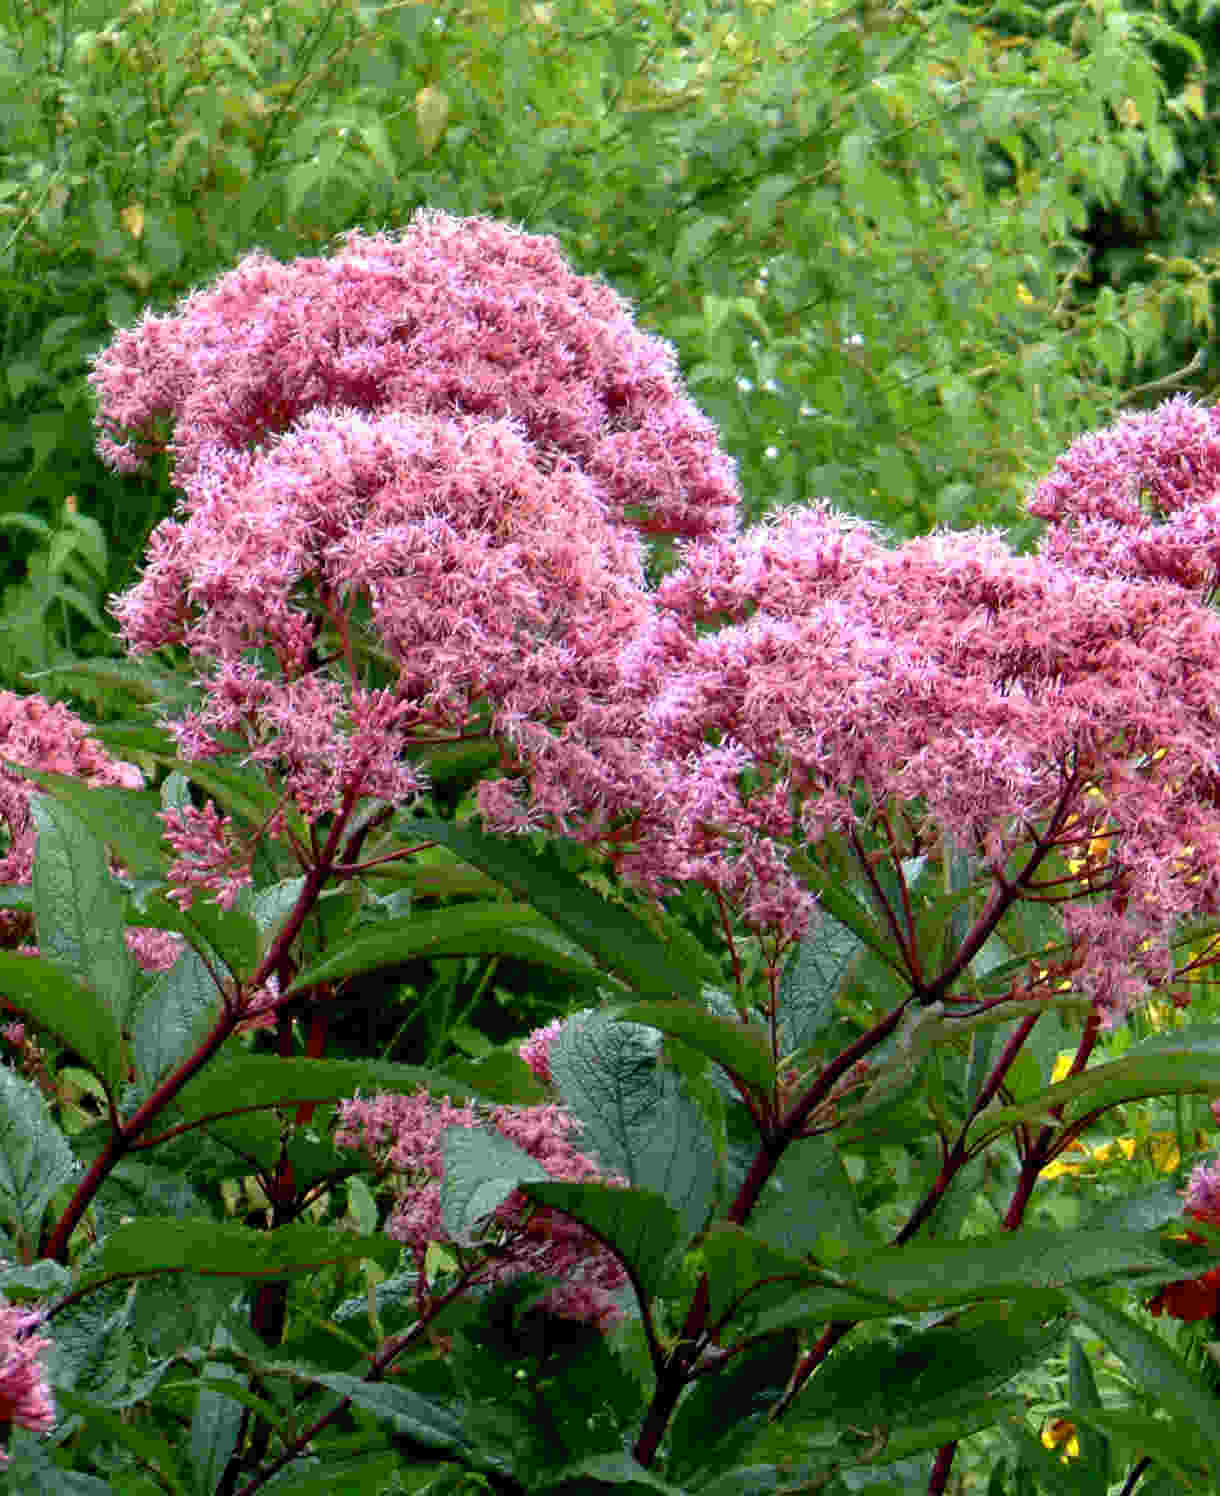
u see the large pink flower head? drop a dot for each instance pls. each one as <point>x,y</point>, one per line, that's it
<point>454,317</point>
<point>416,476</point>
<point>1140,499</point>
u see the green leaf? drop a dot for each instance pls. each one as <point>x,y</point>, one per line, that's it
<point>608,931</point>
<point>638,1118</point>
<point>740,1050</point>
<point>215,1425</point>
<point>1163,1376</point>
<point>774,1288</point>
<point>1170,1442</point>
<point>363,1473</point>
<point>641,1227</point>
<point>617,1470</point>
<point>718,1418</point>
<point>467,929</point>
<point>140,1248</point>
<point>174,1016</point>
<point>502,1077</point>
<point>406,1412</point>
<point>807,1196</point>
<point>812,976</point>
<point>1189,1066</point>
<point>249,1082</point>
<point>482,1168</point>
<point>75,1014</point>
<point>78,906</point>
<point>35,1158</point>
<point>919,1277</point>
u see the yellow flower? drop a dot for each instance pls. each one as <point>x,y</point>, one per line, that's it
<point>1060,1434</point>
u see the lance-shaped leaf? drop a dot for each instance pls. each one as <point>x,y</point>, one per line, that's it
<point>598,1471</point>
<point>405,1411</point>
<point>465,930</point>
<point>644,1230</point>
<point>35,1159</point>
<point>639,1119</point>
<point>251,1082</point>
<point>142,1248</point>
<point>775,1287</point>
<point>482,1168</point>
<point>740,1050</point>
<point>78,906</point>
<point>610,933</point>
<point>1164,1376</point>
<point>748,1274</point>
<point>74,1013</point>
<point>1169,1070</point>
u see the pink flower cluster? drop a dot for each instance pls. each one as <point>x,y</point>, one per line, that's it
<point>404,1136</point>
<point>25,1398</point>
<point>415,476</point>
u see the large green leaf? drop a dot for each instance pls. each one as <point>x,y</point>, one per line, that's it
<point>739,1049</point>
<point>773,1288</point>
<point>466,929</point>
<point>482,1168</point>
<point>638,1118</point>
<point>35,1158</point>
<point>1163,1376</point>
<point>608,931</point>
<point>216,1423</point>
<point>78,906</point>
<point>849,911</point>
<point>642,1228</point>
<point>140,1248</point>
<point>64,1007</point>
